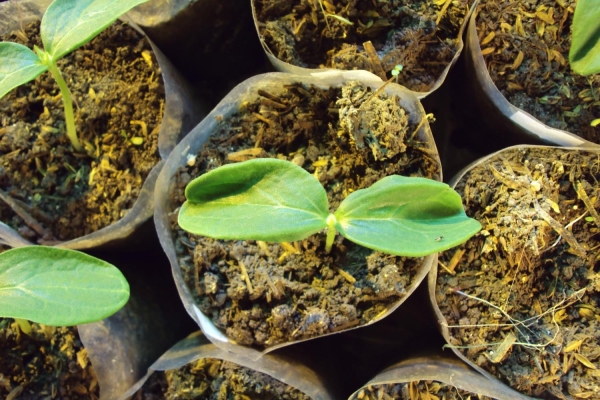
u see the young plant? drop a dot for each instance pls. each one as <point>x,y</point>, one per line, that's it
<point>66,26</point>
<point>59,287</point>
<point>277,201</point>
<point>584,55</point>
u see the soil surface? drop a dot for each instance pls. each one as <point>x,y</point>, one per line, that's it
<point>523,295</point>
<point>422,36</point>
<point>262,294</point>
<point>526,48</point>
<point>416,390</point>
<point>118,94</point>
<point>216,380</point>
<point>48,363</point>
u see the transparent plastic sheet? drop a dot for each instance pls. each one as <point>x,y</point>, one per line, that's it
<point>283,66</point>
<point>432,277</point>
<point>193,142</point>
<point>181,113</point>
<point>196,346</point>
<point>507,119</point>
<point>445,369</point>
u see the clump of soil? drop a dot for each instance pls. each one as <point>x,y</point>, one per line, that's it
<point>262,294</point>
<point>523,296</point>
<point>210,378</point>
<point>48,363</point>
<point>416,390</point>
<point>422,36</point>
<point>117,88</point>
<point>526,48</point>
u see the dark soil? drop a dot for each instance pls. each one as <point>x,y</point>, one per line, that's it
<point>298,291</point>
<point>526,47</point>
<point>49,363</point>
<point>216,380</point>
<point>416,390</point>
<point>115,81</point>
<point>535,321</point>
<point>401,32</point>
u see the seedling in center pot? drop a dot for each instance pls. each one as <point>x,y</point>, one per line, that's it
<point>58,287</point>
<point>66,26</point>
<point>277,201</point>
<point>584,54</point>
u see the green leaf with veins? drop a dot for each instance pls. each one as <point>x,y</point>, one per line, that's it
<point>584,55</point>
<point>69,24</point>
<point>18,65</point>
<point>59,287</point>
<point>405,216</point>
<point>262,199</point>
<point>275,200</point>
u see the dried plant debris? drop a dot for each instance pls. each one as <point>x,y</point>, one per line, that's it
<point>416,390</point>
<point>215,379</point>
<point>46,363</point>
<point>522,300</point>
<point>526,47</point>
<point>262,294</point>
<point>62,194</point>
<point>422,36</point>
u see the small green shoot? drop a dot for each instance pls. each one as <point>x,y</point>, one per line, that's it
<point>335,16</point>
<point>59,287</point>
<point>277,201</point>
<point>396,71</point>
<point>66,26</point>
<point>584,55</point>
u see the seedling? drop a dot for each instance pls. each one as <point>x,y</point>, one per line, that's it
<point>396,71</point>
<point>584,55</point>
<point>58,287</point>
<point>66,26</point>
<point>277,201</point>
<point>330,15</point>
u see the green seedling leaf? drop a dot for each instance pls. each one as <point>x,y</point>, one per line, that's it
<point>68,24</point>
<point>405,216</point>
<point>18,65</point>
<point>584,54</point>
<point>59,287</point>
<point>262,199</point>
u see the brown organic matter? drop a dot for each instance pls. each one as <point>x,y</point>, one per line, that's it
<point>422,36</point>
<point>262,294</point>
<point>416,390</point>
<point>522,298</point>
<point>210,378</point>
<point>48,363</point>
<point>118,92</point>
<point>526,48</point>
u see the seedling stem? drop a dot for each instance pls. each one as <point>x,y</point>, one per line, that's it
<point>331,231</point>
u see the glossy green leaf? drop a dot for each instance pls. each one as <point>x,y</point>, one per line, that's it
<point>262,199</point>
<point>68,24</point>
<point>59,287</point>
<point>18,65</point>
<point>405,216</point>
<point>584,54</point>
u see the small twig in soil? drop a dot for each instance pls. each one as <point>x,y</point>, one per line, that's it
<point>246,277</point>
<point>588,203</point>
<point>27,218</point>
<point>568,236</point>
<point>374,60</point>
<point>443,11</point>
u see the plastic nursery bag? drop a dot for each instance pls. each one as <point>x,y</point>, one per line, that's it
<point>503,349</point>
<point>181,113</point>
<point>507,118</point>
<point>444,369</point>
<point>287,67</point>
<point>196,347</point>
<point>247,91</point>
